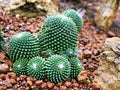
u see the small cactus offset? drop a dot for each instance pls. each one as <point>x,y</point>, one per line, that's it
<point>58,34</point>
<point>23,46</point>
<point>57,68</point>
<point>75,17</point>
<point>76,67</point>
<point>19,67</point>
<point>35,68</point>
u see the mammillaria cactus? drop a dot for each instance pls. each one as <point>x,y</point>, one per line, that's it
<point>35,68</point>
<point>70,53</point>
<point>23,46</point>
<point>57,68</point>
<point>19,67</point>
<point>58,34</point>
<point>75,17</point>
<point>76,67</point>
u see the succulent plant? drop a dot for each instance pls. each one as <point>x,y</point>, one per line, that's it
<point>19,67</point>
<point>2,41</point>
<point>23,46</point>
<point>57,68</point>
<point>35,68</point>
<point>58,34</point>
<point>70,53</point>
<point>76,67</point>
<point>75,17</point>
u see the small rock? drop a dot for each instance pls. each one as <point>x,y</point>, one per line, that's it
<point>29,83</point>
<point>12,75</point>
<point>87,53</point>
<point>75,88</point>
<point>63,88</point>
<point>39,82</point>
<point>68,84</point>
<point>4,68</point>
<point>82,77</point>
<point>23,77</point>
<point>13,81</point>
<point>56,88</point>
<point>44,85</point>
<point>50,85</point>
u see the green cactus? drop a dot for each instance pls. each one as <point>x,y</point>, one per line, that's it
<point>58,34</point>
<point>71,53</point>
<point>19,67</point>
<point>35,68</point>
<point>75,17</point>
<point>57,68</point>
<point>23,46</point>
<point>76,67</point>
<point>2,41</point>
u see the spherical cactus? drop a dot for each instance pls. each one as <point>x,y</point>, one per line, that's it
<point>75,17</point>
<point>76,67</point>
<point>57,68</point>
<point>19,67</point>
<point>58,33</point>
<point>23,46</point>
<point>35,68</point>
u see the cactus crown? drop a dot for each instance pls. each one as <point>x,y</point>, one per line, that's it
<point>58,33</point>
<point>76,67</point>
<point>35,68</point>
<point>57,68</point>
<point>23,46</point>
<point>75,17</point>
<point>19,67</point>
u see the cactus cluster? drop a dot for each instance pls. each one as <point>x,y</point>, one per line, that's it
<point>58,34</point>
<point>75,17</point>
<point>57,40</point>
<point>57,68</point>
<point>23,46</point>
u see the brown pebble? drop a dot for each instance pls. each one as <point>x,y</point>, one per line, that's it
<point>90,60</point>
<point>10,89</point>
<point>75,84</point>
<point>59,84</point>
<point>56,88</point>
<point>44,85</point>
<point>50,85</point>
<point>87,53</point>
<point>12,75</point>
<point>68,84</point>
<point>39,82</point>
<point>63,88</point>
<point>75,88</point>
<point>13,81</point>
<point>34,87</point>
<point>23,83</point>
<point>4,68</point>
<point>73,81</point>
<point>29,82</point>
<point>31,79</point>
<point>4,76</point>
<point>82,77</point>
<point>23,77</point>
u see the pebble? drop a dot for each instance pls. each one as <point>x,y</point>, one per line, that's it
<point>4,68</point>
